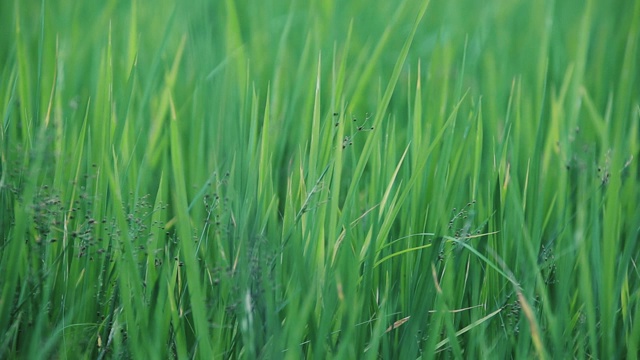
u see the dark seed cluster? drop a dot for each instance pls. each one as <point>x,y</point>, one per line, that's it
<point>461,221</point>
<point>348,139</point>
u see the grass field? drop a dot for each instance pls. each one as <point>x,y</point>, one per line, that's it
<point>319,179</point>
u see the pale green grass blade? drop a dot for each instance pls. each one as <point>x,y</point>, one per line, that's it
<point>187,249</point>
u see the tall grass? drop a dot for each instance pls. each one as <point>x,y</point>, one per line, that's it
<point>319,179</point>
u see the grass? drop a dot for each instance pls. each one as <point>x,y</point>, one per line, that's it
<point>319,179</point>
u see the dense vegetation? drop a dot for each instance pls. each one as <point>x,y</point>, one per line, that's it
<point>322,179</point>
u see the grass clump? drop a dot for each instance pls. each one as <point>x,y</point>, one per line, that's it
<point>319,180</point>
